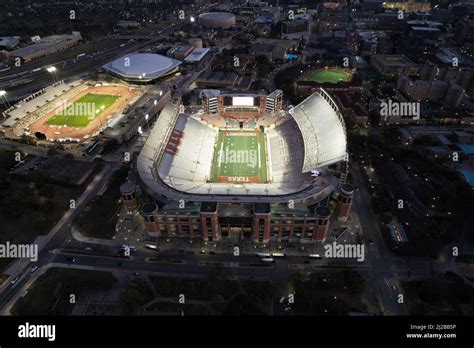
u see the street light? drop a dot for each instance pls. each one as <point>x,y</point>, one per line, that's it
<point>146,119</point>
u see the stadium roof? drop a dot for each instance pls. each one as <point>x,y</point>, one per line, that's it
<point>142,66</point>
<point>197,54</point>
<point>323,130</point>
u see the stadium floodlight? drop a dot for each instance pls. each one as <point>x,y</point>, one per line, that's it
<point>3,94</point>
<point>52,71</point>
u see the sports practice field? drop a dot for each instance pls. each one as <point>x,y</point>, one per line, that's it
<point>329,76</point>
<point>83,111</point>
<point>240,157</point>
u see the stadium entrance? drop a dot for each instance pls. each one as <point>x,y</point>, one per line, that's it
<point>236,235</point>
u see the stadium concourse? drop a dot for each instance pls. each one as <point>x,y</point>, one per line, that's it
<point>200,166</point>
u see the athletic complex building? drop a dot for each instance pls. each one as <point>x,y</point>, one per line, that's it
<point>142,67</point>
<point>217,20</point>
<point>243,167</point>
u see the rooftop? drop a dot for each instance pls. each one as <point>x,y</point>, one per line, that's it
<point>197,54</point>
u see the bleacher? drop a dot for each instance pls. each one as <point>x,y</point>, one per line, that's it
<point>323,130</point>
<point>31,109</point>
<point>286,157</point>
<point>190,165</point>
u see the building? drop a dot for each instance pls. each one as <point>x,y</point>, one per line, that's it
<point>454,95</point>
<point>142,67</point>
<point>373,42</point>
<point>394,65</point>
<point>127,24</point>
<point>223,80</point>
<point>223,20</point>
<point>47,45</point>
<point>179,200</point>
<point>408,6</point>
<point>198,58</point>
<point>129,196</point>
<point>9,42</point>
<point>435,90</point>
<point>195,42</point>
<point>126,126</point>
<point>294,26</point>
<point>352,106</point>
<point>180,51</point>
<point>464,32</point>
<point>216,102</point>
<point>441,68</point>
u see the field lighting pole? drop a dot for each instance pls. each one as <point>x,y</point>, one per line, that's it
<point>52,71</point>
<point>4,95</point>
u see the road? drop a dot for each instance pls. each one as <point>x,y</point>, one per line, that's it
<point>382,272</point>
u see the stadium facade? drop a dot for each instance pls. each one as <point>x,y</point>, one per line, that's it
<point>244,167</point>
<point>217,20</point>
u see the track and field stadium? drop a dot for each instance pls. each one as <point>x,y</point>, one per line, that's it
<point>70,111</point>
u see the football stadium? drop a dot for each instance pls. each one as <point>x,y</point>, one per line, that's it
<point>243,167</point>
<point>70,111</point>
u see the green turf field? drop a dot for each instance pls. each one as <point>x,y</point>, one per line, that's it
<point>239,157</point>
<point>83,110</point>
<point>329,76</point>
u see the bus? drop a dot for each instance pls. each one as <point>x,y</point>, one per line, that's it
<point>278,255</point>
<point>268,259</point>
<point>264,255</point>
<point>314,256</point>
<point>151,246</point>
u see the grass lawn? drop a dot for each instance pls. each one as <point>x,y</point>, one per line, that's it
<point>83,110</point>
<point>42,295</point>
<point>99,218</point>
<point>330,76</point>
<point>29,206</point>
<point>239,157</point>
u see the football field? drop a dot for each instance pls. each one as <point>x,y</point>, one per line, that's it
<point>330,75</point>
<point>83,110</point>
<point>240,157</point>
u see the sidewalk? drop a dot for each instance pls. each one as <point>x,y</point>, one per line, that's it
<point>79,237</point>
